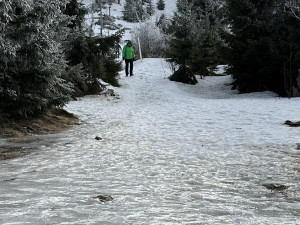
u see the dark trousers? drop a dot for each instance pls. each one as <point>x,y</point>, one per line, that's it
<point>127,63</point>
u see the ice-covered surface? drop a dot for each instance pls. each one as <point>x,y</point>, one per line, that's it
<point>171,154</point>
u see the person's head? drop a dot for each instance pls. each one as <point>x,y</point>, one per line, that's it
<point>129,43</point>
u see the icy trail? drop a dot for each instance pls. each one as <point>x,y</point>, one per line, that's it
<point>170,154</point>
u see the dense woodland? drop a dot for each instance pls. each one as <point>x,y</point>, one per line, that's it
<point>48,55</point>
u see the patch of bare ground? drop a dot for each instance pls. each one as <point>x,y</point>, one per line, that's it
<point>19,130</point>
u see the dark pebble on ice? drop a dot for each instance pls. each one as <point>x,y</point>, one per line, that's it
<point>12,179</point>
<point>292,124</point>
<point>98,138</point>
<point>104,198</point>
<point>276,187</point>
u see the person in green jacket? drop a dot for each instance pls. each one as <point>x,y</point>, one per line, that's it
<point>128,56</point>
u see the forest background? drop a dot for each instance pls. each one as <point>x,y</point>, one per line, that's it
<point>49,56</point>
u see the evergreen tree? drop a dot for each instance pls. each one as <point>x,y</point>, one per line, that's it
<point>162,23</point>
<point>77,11</point>
<point>149,7</point>
<point>75,72</point>
<point>161,5</point>
<point>7,51</point>
<point>5,17</point>
<point>6,48</point>
<point>294,7</point>
<point>195,26</point>
<point>182,27</point>
<point>106,21</point>
<point>33,82</point>
<point>135,11</point>
<point>99,58</point>
<point>94,57</point>
<point>206,36</point>
<point>132,10</point>
<point>263,46</point>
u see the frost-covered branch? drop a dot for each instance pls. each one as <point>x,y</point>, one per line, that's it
<point>294,7</point>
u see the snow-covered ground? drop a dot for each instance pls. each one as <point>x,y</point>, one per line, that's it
<point>117,12</point>
<point>171,154</point>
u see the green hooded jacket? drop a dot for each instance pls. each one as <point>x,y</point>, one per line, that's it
<point>128,52</point>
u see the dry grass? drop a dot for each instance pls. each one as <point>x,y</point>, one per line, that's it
<point>54,121</point>
<point>19,130</point>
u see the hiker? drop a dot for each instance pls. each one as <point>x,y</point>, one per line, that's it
<point>128,56</point>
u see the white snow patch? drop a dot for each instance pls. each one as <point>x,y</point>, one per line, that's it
<point>170,154</point>
<point>220,69</point>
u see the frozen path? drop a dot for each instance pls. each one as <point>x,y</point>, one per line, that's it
<point>170,154</point>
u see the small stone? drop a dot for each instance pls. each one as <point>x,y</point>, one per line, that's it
<point>12,179</point>
<point>54,208</point>
<point>292,124</point>
<point>288,122</point>
<point>276,187</point>
<point>104,198</point>
<point>98,138</point>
